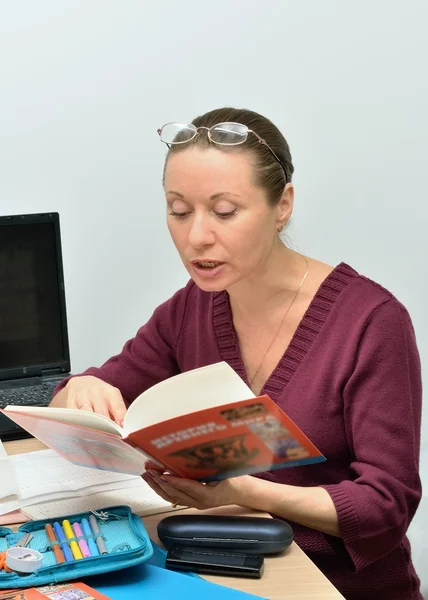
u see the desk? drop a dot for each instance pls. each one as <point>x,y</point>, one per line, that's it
<point>289,576</point>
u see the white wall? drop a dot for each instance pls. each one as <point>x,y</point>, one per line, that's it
<point>84,84</point>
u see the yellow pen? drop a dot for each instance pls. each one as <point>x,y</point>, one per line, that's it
<point>73,544</point>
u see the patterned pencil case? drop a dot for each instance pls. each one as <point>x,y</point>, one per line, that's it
<point>72,547</point>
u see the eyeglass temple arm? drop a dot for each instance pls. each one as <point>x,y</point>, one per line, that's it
<point>264,142</point>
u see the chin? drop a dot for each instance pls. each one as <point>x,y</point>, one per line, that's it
<point>222,282</point>
<point>208,286</point>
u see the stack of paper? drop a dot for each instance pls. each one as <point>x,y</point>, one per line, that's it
<point>141,498</point>
<point>43,484</point>
<point>9,484</point>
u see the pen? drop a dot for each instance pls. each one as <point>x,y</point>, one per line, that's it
<point>82,543</point>
<point>96,530</point>
<point>59,555</point>
<point>73,544</point>
<point>88,533</point>
<point>61,539</point>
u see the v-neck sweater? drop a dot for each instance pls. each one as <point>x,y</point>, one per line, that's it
<point>351,380</point>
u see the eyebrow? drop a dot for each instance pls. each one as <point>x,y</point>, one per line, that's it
<point>213,197</point>
<point>175,193</point>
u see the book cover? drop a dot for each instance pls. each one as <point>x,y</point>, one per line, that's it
<point>239,438</point>
<point>65,591</point>
<point>204,424</point>
<point>82,445</point>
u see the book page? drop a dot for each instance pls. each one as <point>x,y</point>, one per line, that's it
<point>73,416</point>
<point>206,387</point>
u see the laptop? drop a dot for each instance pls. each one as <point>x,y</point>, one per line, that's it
<point>34,350</point>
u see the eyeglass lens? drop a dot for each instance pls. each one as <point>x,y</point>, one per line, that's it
<point>223,133</point>
<point>177,133</point>
<point>228,133</point>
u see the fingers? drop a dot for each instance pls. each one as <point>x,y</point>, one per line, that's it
<point>158,469</point>
<point>94,395</point>
<point>185,493</point>
<point>200,495</point>
<point>157,488</point>
<point>191,488</point>
<point>152,466</point>
<point>99,404</point>
<point>81,401</point>
<point>116,406</point>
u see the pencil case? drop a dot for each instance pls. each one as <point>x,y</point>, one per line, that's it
<point>120,532</point>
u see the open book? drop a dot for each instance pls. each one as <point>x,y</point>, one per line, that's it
<point>205,424</point>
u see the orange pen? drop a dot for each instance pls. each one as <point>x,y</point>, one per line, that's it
<point>54,544</point>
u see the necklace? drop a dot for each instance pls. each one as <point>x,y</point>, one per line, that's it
<point>302,281</point>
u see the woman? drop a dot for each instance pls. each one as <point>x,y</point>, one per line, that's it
<point>335,350</point>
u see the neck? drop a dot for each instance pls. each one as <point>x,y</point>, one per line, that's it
<point>269,287</point>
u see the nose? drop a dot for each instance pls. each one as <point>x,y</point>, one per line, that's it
<point>201,233</point>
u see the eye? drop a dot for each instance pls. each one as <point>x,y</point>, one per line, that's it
<point>178,208</point>
<point>226,215</point>
<point>179,215</point>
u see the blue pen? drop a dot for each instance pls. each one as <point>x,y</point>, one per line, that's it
<point>89,538</point>
<point>60,536</point>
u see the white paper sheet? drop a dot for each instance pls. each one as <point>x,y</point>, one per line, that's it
<point>142,499</point>
<point>8,481</point>
<point>45,476</point>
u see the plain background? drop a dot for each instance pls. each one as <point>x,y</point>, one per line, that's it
<point>84,85</point>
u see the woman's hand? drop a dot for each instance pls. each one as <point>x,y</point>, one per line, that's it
<point>309,506</point>
<point>185,492</point>
<point>94,395</point>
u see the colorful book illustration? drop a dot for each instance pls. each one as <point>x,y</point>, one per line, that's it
<point>205,424</point>
<point>65,591</point>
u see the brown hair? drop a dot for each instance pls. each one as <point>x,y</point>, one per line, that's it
<point>270,175</point>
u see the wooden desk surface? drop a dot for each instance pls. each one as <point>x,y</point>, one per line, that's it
<point>289,576</point>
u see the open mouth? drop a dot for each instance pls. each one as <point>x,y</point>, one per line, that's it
<point>206,264</point>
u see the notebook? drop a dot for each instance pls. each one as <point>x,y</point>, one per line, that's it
<point>34,350</point>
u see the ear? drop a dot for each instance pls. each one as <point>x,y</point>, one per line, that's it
<point>285,206</point>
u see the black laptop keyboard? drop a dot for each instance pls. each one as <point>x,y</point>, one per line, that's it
<point>34,395</point>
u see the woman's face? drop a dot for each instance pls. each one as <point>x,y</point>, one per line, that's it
<point>219,219</point>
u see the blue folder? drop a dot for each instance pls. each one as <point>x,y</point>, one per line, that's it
<point>152,581</point>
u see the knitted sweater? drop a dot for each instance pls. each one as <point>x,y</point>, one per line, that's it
<point>351,380</point>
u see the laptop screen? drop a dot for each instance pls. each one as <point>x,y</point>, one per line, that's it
<point>33,332</point>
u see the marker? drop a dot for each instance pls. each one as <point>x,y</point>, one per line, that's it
<point>59,556</point>
<point>88,533</point>
<point>73,544</point>
<point>96,530</point>
<point>61,539</point>
<point>82,543</point>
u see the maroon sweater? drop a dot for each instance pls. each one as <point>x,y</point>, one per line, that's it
<point>351,380</point>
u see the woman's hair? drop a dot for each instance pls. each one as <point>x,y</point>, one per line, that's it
<point>269,173</point>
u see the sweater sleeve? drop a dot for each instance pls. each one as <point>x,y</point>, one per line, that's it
<point>149,357</point>
<point>382,404</point>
